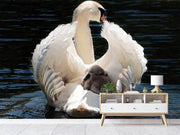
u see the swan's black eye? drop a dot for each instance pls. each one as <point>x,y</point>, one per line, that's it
<point>87,77</point>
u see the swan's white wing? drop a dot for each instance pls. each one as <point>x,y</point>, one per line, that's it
<point>57,49</point>
<point>124,58</point>
<point>55,61</point>
<point>59,71</point>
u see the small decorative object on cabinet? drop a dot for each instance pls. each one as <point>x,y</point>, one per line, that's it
<point>109,88</point>
<point>156,80</point>
<point>134,104</point>
<point>127,99</point>
<point>145,90</point>
<point>118,86</point>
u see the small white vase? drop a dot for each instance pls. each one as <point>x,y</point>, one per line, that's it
<point>145,90</point>
<point>118,86</point>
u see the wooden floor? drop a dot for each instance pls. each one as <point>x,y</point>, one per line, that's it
<point>88,127</point>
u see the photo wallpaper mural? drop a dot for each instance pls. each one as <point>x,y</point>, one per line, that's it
<point>50,70</point>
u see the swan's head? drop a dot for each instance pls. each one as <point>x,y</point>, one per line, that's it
<point>89,10</point>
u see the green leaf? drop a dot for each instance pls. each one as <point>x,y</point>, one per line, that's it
<point>108,86</point>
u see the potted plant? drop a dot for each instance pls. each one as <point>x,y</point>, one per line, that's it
<point>109,88</point>
<point>145,90</point>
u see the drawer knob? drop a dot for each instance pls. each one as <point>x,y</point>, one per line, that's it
<point>134,108</point>
<point>156,108</point>
<point>111,108</point>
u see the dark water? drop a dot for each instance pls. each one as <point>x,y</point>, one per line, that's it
<point>154,24</point>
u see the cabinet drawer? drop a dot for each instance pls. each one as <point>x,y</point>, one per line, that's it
<point>133,108</point>
<point>111,107</point>
<point>155,108</point>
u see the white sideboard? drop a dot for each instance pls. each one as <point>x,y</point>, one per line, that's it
<point>134,104</point>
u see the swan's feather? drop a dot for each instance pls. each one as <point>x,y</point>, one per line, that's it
<point>52,84</point>
<point>58,37</point>
<point>124,56</point>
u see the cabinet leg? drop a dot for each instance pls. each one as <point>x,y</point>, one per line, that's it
<point>102,119</point>
<point>164,119</point>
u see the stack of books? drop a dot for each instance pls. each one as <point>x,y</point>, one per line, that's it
<point>156,101</point>
<point>137,101</point>
<point>111,100</point>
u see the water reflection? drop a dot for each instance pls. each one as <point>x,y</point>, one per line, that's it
<point>154,24</point>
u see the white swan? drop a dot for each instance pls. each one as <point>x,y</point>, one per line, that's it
<point>60,64</point>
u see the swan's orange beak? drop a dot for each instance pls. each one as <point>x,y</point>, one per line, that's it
<point>103,18</point>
